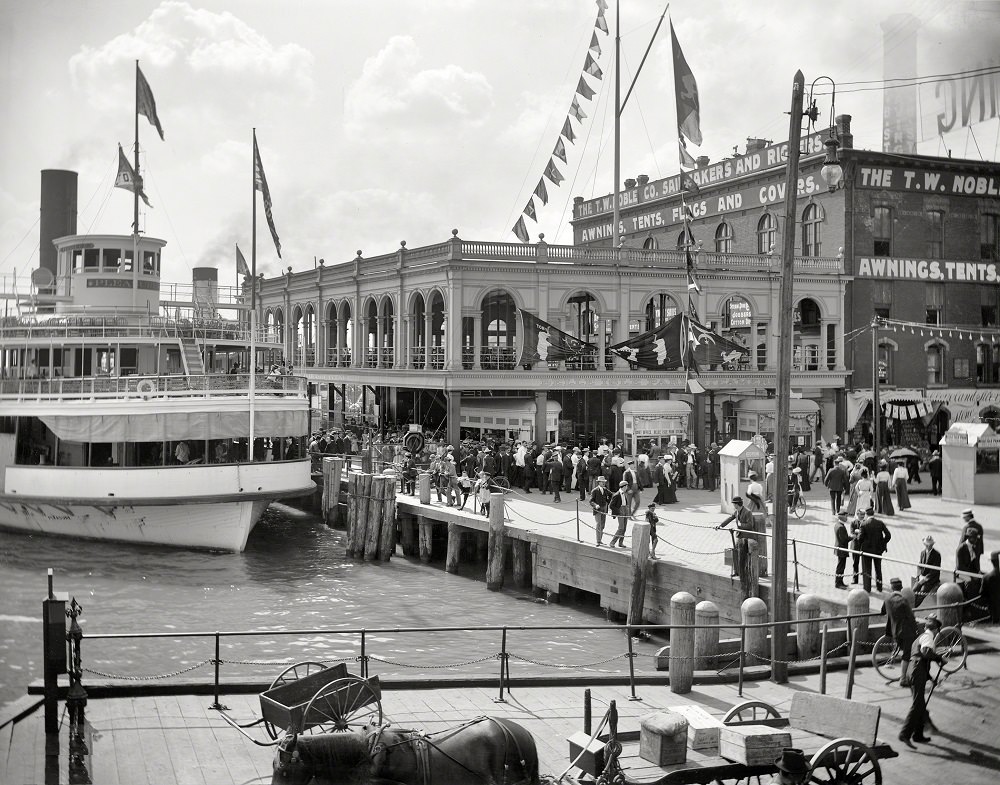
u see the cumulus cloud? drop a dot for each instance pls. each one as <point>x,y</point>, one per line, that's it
<point>394,89</point>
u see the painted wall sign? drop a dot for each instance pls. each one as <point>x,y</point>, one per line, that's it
<point>898,178</point>
<point>949,104</point>
<point>119,283</point>
<point>886,267</point>
<point>715,174</point>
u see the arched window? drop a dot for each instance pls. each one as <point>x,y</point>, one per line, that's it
<point>659,309</point>
<point>724,238</point>
<point>935,364</point>
<point>685,240</point>
<point>650,244</point>
<point>987,363</point>
<point>812,221</point>
<point>885,369</point>
<point>767,228</point>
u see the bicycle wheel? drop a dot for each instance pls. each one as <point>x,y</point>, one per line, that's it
<point>499,483</point>
<point>951,645</point>
<point>800,507</point>
<point>887,658</point>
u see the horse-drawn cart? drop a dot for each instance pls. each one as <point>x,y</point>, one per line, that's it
<point>309,697</point>
<point>838,738</point>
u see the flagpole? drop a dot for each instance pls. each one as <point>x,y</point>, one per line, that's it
<point>618,152</point>
<point>253,287</point>
<point>135,197</point>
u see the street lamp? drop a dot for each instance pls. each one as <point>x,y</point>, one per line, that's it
<point>833,174</point>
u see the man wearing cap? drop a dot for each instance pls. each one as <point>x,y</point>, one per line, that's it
<point>922,655</point>
<point>928,572</point>
<point>619,507</point>
<point>600,497</point>
<point>969,520</point>
<point>744,533</point>
<point>968,573</point>
<point>554,472</point>
<point>652,519</point>
<point>842,540</point>
<point>792,768</point>
<point>934,468</point>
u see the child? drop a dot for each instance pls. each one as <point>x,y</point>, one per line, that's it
<point>483,494</point>
<point>652,520</point>
<point>465,485</point>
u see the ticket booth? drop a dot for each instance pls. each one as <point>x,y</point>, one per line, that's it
<point>736,460</point>
<point>758,416</point>
<point>653,422</point>
<point>507,419</point>
<point>970,464</point>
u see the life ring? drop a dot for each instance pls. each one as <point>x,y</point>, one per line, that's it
<point>146,388</point>
<point>414,442</point>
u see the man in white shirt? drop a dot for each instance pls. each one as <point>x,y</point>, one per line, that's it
<point>520,453</point>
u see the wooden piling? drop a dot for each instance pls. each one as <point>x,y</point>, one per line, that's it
<point>858,606</point>
<point>387,536</point>
<point>454,556</point>
<point>495,544</point>
<point>521,557</point>
<point>682,606</point>
<point>373,530</point>
<point>807,609</point>
<point>363,518</point>
<point>638,568</point>
<point>424,487</point>
<point>754,611</point>
<point>424,535</point>
<point>332,513</point>
<point>408,532</point>
<point>706,638</point>
<point>949,599</point>
<point>352,512</point>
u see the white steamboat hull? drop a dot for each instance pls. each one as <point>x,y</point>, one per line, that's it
<point>221,526</point>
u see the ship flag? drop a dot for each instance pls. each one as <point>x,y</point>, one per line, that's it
<point>529,210</point>
<point>242,268</point>
<point>145,104</point>
<point>542,342</point>
<point>585,89</point>
<point>575,110</point>
<point>595,45</point>
<point>567,131</point>
<point>591,67</point>
<point>541,191</point>
<point>552,173</point>
<point>260,184</point>
<point>520,230</point>
<point>686,89</point>
<point>560,150</point>
<point>127,178</point>
<point>686,159</point>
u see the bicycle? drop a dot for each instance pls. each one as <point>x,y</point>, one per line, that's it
<point>796,503</point>
<point>950,643</point>
<point>498,483</point>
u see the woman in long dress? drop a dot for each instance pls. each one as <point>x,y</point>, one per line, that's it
<point>883,498</point>
<point>899,478</point>
<point>661,481</point>
<point>853,477</point>
<point>670,492</point>
<point>863,494</point>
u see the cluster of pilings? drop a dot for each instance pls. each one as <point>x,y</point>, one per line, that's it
<point>371,516</point>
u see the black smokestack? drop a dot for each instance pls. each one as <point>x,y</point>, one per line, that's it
<point>58,213</point>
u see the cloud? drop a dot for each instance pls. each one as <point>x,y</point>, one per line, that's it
<point>393,90</point>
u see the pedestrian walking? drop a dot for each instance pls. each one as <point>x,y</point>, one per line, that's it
<point>835,482</point>
<point>600,497</point>
<point>883,498</point>
<point>555,471</point>
<point>934,469</point>
<point>928,572</point>
<point>634,491</point>
<point>900,475</point>
<point>619,507</point>
<point>902,625</point>
<point>922,655</point>
<point>841,539</point>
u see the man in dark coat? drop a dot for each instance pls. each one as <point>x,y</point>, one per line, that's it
<point>928,573</point>
<point>934,468</point>
<point>599,499</point>
<point>841,539</point>
<point>923,653</point>
<point>554,470</point>
<point>873,538</point>
<point>836,482</point>
<point>969,521</point>
<point>802,462</point>
<point>967,561</point>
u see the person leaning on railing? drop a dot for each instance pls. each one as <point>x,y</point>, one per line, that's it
<point>744,528</point>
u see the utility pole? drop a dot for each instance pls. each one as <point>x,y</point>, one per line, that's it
<point>876,403</point>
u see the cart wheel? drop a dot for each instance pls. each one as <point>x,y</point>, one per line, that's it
<point>290,674</point>
<point>845,761</point>
<point>346,704</point>
<point>950,643</point>
<point>751,711</point>
<point>887,658</point>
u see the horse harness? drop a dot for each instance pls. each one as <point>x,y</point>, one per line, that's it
<point>421,744</point>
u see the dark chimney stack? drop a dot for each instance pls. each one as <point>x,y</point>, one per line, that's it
<point>58,214</point>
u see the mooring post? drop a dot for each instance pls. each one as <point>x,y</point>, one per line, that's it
<point>822,660</point>
<point>76,698</point>
<point>503,666</point>
<point>53,653</point>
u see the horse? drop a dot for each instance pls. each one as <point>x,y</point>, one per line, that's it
<point>483,751</point>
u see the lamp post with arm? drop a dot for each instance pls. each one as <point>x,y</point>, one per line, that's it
<point>832,172</point>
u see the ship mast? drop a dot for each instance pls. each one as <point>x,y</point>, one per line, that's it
<point>135,197</point>
<point>615,239</point>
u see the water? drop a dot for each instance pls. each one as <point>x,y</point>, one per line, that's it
<point>292,576</point>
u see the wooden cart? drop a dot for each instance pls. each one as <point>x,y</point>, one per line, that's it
<point>838,737</point>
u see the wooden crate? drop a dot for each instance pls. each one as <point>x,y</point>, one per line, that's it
<point>703,728</point>
<point>663,738</point>
<point>591,760</point>
<point>752,745</point>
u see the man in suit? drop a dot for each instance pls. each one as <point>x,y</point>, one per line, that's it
<point>841,539</point>
<point>968,519</point>
<point>634,492</point>
<point>873,537</point>
<point>554,470</point>
<point>934,467</point>
<point>836,482</point>
<point>619,507</point>
<point>600,497</point>
<point>967,561</point>
<point>928,573</point>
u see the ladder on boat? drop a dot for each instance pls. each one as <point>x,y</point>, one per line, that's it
<point>194,363</point>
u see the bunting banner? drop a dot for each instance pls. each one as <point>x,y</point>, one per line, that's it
<point>693,285</point>
<point>260,183</point>
<point>595,45</point>
<point>685,156</point>
<point>529,209</point>
<point>584,89</point>
<point>686,90</point>
<point>603,5</point>
<point>127,178</point>
<point>591,67</point>
<point>553,174</point>
<point>575,110</point>
<point>660,349</point>
<point>541,342</point>
<point>567,131</point>
<point>242,268</point>
<point>693,310</point>
<point>541,191</point>
<point>145,104</point>
<point>601,23</point>
<point>688,183</point>
<point>560,150</point>
<point>520,230</point>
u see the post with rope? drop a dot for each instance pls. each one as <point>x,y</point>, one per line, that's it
<point>495,546</point>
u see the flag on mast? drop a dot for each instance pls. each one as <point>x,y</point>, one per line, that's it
<point>685,156</point>
<point>686,89</point>
<point>542,342</point>
<point>242,268</point>
<point>260,183</point>
<point>127,178</point>
<point>144,102</point>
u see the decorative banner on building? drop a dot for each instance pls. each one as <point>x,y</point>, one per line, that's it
<point>929,180</point>
<point>541,342</point>
<point>961,101</point>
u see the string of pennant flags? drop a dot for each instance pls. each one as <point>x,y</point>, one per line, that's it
<point>940,331</point>
<point>585,91</point>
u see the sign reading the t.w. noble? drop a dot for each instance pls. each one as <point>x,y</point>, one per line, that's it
<point>937,181</point>
<point>885,268</point>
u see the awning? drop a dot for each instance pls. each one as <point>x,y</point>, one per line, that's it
<point>174,426</point>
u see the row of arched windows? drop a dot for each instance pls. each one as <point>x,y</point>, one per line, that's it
<point>767,232</point>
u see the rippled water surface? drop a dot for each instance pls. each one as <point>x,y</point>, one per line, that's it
<point>293,576</point>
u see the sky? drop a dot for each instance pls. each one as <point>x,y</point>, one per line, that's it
<point>381,121</point>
